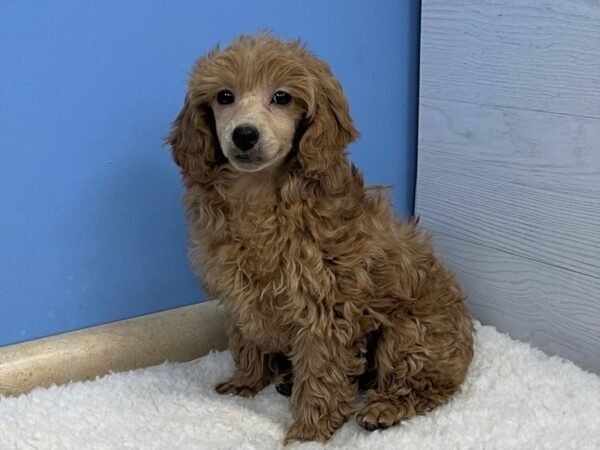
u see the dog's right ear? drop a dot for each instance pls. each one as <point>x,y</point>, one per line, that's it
<point>193,143</point>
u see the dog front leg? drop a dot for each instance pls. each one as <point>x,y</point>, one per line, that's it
<point>323,393</point>
<point>252,372</point>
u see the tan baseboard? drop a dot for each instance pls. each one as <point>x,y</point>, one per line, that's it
<point>180,334</point>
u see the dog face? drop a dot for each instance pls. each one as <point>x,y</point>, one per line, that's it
<point>256,128</point>
<point>251,104</point>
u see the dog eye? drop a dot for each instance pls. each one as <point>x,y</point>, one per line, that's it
<point>225,97</point>
<point>281,98</point>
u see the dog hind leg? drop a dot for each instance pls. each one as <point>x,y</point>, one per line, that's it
<point>408,383</point>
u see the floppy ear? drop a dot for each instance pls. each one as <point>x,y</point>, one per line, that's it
<point>194,146</point>
<point>328,125</point>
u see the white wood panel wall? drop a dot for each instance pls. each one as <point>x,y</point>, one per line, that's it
<point>509,163</point>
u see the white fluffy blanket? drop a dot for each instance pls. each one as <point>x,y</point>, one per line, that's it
<point>515,397</point>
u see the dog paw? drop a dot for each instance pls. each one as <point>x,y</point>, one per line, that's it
<point>378,415</point>
<point>237,387</point>
<point>301,432</point>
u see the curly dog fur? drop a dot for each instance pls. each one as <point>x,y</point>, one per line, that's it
<point>312,265</point>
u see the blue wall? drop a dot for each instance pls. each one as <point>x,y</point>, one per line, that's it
<point>91,227</point>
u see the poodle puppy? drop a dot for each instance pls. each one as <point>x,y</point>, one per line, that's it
<point>315,270</point>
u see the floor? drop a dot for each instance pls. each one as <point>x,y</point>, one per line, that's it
<point>514,397</point>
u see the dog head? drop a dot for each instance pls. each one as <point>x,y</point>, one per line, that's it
<point>254,104</point>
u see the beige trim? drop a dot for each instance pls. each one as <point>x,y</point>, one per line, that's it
<point>180,334</point>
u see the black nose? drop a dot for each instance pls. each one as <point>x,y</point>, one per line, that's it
<point>245,136</point>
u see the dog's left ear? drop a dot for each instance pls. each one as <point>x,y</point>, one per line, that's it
<point>328,125</point>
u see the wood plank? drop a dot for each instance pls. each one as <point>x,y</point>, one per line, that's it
<point>521,53</point>
<point>554,309</point>
<point>509,163</point>
<point>179,334</point>
<point>523,182</point>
